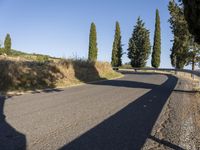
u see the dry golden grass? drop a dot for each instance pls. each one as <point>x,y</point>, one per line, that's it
<point>23,74</point>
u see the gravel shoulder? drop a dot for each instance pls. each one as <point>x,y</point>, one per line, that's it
<point>178,124</point>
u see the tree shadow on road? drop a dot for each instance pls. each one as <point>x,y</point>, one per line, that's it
<point>130,127</point>
<point>127,84</point>
<point>10,139</point>
<point>166,143</point>
<point>138,73</point>
<point>186,91</point>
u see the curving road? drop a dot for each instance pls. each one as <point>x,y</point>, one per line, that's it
<point>109,115</point>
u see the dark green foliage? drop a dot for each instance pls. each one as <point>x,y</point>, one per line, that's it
<point>1,51</point>
<point>93,50</point>
<point>139,45</point>
<point>179,51</point>
<point>117,48</point>
<point>155,61</point>
<point>18,53</point>
<point>192,15</point>
<point>42,58</point>
<point>7,45</point>
<point>193,54</point>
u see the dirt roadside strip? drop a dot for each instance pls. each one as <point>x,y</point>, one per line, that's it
<point>178,125</point>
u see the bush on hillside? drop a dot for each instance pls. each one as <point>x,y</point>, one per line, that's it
<point>42,58</point>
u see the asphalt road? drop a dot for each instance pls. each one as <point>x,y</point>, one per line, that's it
<point>110,115</point>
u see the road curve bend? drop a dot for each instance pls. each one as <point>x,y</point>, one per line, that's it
<point>115,114</point>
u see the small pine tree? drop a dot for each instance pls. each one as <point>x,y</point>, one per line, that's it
<point>155,61</point>
<point>117,53</point>
<point>93,50</point>
<point>139,45</point>
<point>7,45</point>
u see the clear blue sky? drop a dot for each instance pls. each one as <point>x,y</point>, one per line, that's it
<point>61,27</point>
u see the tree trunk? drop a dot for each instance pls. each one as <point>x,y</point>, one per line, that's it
<point>193,63</point>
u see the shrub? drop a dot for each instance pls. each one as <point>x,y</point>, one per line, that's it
<point>42,58</point>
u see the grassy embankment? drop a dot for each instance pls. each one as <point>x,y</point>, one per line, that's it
<point>23,72</point>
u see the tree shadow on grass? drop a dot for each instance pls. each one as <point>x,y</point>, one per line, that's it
<point>10,139</point>
<point>130,127</point>
<point>86,71</point>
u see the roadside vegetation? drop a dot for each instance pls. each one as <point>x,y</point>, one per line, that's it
<point>191,12</point>
<point>155,61</point>
<point>21,74</point>
<point>139,45</point>
<point>20,71</point>
<point>185,49</point>
<point>93,50</point>
<point>117,51</point>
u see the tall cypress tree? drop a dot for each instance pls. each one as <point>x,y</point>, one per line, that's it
<point>182,37</point>
<point>117,48</point>
<point>7,44</point>
<point>191,11</point>
<point>93,50</point>
<point>139,45</point>
<point>185,50</point>
<point>155,61</point>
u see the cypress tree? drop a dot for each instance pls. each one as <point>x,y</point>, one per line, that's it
<point>93,50</point>
<point>191,11</point>
<point>139,45</point>
<point>155,62</point>
<point>193,54</point>
<point>7,44</point>
<point>182,37</point>
<point>117,48</point>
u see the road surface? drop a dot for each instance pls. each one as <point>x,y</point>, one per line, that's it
<point>109,115</point>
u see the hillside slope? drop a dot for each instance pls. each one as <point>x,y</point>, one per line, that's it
<point>20,74</point>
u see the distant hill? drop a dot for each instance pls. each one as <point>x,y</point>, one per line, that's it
<point>32,56</point>
<point>18,53</point>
